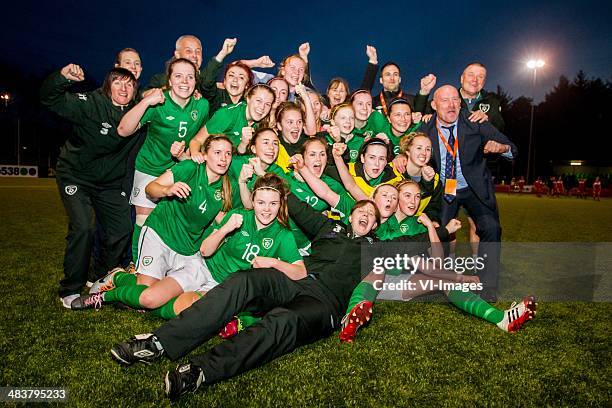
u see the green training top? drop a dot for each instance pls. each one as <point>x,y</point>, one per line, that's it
<point>180,223</point>
<point>240,247</point>
<point>392,228</point>
<point>376,123</point>
<point>168,123</point>
<point>229,120</point>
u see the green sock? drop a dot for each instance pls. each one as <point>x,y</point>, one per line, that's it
<point>135,240</point>
<point>247,319</point>
<point>363,291</point>
<point>124,279</point>
<point>471,303</point>
<point>130,295</point>
<point>165,311</point>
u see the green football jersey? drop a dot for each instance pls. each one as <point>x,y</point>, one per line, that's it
<point>376,123</point>
<point>180,223</point>
<point>395,140</point>
<point>168,123</point>
<point>229,120</point>
<point>240,247</point>
<point>392,228</point>
<point>344,206</point>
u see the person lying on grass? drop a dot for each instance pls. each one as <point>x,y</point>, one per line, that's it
<point>296,312</point>
<point>428,279</point>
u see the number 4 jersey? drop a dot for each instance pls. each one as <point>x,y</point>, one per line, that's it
<point>168,123</point>
<point>181,223</point>
<point>241,246</point>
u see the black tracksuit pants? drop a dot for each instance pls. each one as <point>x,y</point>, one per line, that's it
<point>112,210</point>
<point>296,313</point>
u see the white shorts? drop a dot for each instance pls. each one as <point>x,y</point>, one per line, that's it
<point>157,260</point>
<point>138,196</point>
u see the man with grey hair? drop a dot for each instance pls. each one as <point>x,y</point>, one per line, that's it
<point>458,153</point>
<point>187,46</point>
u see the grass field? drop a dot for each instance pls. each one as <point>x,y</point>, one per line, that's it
<point>413,354</point>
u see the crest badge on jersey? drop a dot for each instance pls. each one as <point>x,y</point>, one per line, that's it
<point>354,154</point>
<point>194,115</point>
<point>136,192</point>
<point>267,243</point>
<point>218,195</point>
<point>70,190</point>
<point>403,228</point>
<point>147,260</point>
<point>484,107</point>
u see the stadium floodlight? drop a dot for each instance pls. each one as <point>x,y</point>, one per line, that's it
<point>533,64</point>
<point>6,97</point>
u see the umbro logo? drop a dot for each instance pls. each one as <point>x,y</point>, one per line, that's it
<point>299,190</point>
<point>143,353</point>
<point>170,117</point>
<point>244,233</point>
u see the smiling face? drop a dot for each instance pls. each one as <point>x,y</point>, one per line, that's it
<point>130,60</point>
<point>419,151</point>
<point>337,93</point>
<point>390,78</point>
<point>281,91</point>
<point>400,118</point>
<point>293,71</point>
<point>122,91</point>
<point>362,104</point>
<point>316,103</point>
<point>386,199</point>
<point>259,104</point>
<point>315,157</point>
<point>266,147</point>
<point>447,104</point>
<point>374,160</point>
<point>344,118</point>
<point>291,125</point>
<point>266,204</point>
<point>409,199</point>
<point>363,219</point>
<point>235,81</point>
<point>218,157</point>
<point>473,79</point>
<point>182,80</point>
<point>189,48</point>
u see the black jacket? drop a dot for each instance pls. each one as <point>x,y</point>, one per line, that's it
<point>472,138</point>
<point>336,259</point>
<point>489,103</point>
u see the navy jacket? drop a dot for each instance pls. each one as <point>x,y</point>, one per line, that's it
<point>472,139</point>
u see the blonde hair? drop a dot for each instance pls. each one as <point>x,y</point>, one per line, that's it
<point>407,141</point>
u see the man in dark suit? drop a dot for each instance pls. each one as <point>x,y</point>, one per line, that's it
<point>459,147</point>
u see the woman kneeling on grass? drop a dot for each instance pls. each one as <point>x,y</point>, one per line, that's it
<point>169,262</point>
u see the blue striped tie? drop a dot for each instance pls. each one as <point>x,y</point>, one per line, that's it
<point>449,169</point>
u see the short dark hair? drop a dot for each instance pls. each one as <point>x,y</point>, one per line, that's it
<point>399,101</point>
<point>118,73</point>
<point>387,64</point>
<point>363,203</point>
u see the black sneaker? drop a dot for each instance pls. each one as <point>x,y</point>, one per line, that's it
<point>144,348</point>
<point>183,379</point>
<point>94,301</point>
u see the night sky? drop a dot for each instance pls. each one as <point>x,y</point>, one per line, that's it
<point>435,37</point>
